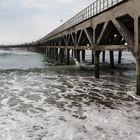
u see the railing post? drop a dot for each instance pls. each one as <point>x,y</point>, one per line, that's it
<point>111,2</point>
<point>107,3</point>
<point>99,5</point>
<point>96,7</point>
<point>103,4</point>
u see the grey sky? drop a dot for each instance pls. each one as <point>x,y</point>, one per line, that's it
<point>28,20</point>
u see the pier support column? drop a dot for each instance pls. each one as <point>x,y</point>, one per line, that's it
<point>62,55</point>
<point>136,52</point>
<point>92,55</point>
<point>53,53</point>
<point>138,76</point>
<point>72,53</point>
<point>119,57</point>
<point>68,56</point>
<point>96,63</point>
<point>103,56</point>
<point>83,55</point>
<point>78,55</point>
<point>56,54</point>
<point>50,53</point>
<point>75,53</point>
<point>44,50</point>
<point>112,59</point>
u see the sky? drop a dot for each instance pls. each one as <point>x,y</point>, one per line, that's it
<point>29,20</point>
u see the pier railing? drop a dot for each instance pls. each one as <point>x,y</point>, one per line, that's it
<point>94,9</point>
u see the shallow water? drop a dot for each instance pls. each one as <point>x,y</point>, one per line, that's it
<point>42,101</point>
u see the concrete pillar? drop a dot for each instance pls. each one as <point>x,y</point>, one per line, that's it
<point>75,53</point>
<point>53,53</point>
<point>56,54</point>
<point>68,56</point>
<point>47,50</point>
<point>72,54</point>
<point>92,54</point>
<point>96,63</point>
<point>43,50</point>
<point>119,57</point>
<point>83,55</point>
<point>136,52</point>
<point>138,76</point>
<point>78,55</point>
<point>50,55</point>
<point>112,59</point>
<point>103,56</point>
<point>62,55</point>
<point>39,50</point>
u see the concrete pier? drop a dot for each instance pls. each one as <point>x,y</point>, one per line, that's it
<point>119,57</point>
<point>97,63</point>
<point>103,56</point>
<point>103,26</point>
<point>92,55</point>
<point>112,59</point>
<point>62,54</point>
<point>83,55</point>
<point>68,56</point>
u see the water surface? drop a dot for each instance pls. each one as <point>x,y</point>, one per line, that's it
<point>43,101</point>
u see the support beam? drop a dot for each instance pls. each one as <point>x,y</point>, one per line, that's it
<point>72,53</point>
<point>102,32</point>
<point>56,54</point>
<point>123,31</point>
<point>112,59</point>
<point>136,53</point>
<point>96,63</point>
<point>89,36</point>
<point>98,47</point>
<point>138,76</point>
<point>83,55</point>
<point>119,57</point>
<point>68,56</point>
<point>53,53</point>
<point>78,55</point>
<point>92,55</point>
<point>50,55</point>
<point>62,55</point>
<point>103,56</point>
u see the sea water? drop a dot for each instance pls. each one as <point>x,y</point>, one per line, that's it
<point>40,100</point>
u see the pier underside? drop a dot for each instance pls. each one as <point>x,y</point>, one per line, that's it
<point>115,29</point>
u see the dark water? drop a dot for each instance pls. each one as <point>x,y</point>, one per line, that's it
<point>43,101</point>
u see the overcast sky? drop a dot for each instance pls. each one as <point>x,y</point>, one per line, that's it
<point>28,20</point>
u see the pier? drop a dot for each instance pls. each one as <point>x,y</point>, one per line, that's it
<point>105,25</point>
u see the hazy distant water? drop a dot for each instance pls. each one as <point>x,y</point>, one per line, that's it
<point>42,101</point>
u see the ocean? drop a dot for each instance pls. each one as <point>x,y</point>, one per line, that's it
<point>41,100</point>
